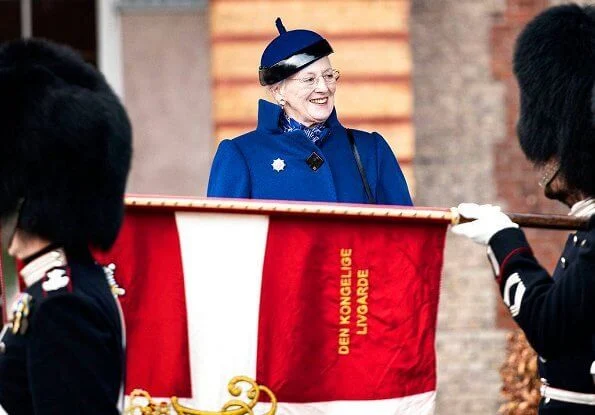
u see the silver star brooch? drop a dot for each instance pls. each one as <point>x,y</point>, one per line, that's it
<point>278,164</point>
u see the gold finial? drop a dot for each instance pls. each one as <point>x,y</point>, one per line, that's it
<point>141,402</point>
<point>455,217</point>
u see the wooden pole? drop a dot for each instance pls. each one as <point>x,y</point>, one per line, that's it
<point>560,222</point>
<point>329,210</point>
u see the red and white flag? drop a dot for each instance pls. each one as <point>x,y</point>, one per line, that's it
<point>335,315</point>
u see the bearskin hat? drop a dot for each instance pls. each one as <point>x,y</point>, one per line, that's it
<point>554,62</point>
<point>65,145</point>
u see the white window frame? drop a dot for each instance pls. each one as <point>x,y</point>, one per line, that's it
<point>109,44</point>
<point>26,19</point>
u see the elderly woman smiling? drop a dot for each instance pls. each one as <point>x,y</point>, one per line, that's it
<point>300,150</point>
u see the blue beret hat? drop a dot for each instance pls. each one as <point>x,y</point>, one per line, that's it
<point>289,52</point>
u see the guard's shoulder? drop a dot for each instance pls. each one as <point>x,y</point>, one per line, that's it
<point>59,297</point>
<point>79,291</point>
<point>57,281</point>
<point>52,282</point>
<point>56,317</point>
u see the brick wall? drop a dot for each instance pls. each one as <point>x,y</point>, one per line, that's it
<point>459,117</point>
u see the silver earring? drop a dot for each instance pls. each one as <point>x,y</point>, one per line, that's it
<point>282,103</point>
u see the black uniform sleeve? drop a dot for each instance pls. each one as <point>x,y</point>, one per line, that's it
<point>551,313</point>
<point>71,359</point>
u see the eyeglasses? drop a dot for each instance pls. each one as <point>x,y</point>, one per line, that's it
<point>329,77</point>
<point>550,172</point>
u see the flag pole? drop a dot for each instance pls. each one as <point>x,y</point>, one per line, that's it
<point>435,215</point>
<point>559,222</point>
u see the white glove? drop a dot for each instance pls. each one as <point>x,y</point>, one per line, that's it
<point>489,221</point>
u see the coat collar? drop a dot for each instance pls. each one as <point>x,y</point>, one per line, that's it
<point>40,266</point>
<point>583,208</point>
<point>269,113</point>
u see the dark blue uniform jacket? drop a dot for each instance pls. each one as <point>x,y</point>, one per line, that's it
<point>557,314</point>
<point>70,359</point>
<point>242,167</point>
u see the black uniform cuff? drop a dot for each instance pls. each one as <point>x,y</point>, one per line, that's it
<point>506,241</point>
<point>504,245</point>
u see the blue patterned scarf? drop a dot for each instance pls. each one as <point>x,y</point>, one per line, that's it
<point>316,133</point>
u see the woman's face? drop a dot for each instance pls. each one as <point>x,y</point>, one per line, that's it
<point>309,104</point>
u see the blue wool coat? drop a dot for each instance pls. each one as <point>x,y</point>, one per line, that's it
<point>243,167</point>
